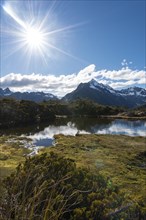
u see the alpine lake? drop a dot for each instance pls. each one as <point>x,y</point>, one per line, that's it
<point>43,134</point>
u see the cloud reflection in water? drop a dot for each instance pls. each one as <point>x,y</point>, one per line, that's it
<point>124,127</point>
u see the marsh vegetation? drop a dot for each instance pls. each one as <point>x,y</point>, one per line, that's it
<point>82,177</point>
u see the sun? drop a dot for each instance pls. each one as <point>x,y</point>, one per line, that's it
<point>35,35</point>
<point>34,38</point>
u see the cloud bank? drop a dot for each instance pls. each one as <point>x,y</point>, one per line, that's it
<point>63,84</point>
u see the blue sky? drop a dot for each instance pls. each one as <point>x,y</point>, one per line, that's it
<point>95,36</point>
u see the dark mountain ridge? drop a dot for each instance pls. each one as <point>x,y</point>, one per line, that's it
<point>106,95</point>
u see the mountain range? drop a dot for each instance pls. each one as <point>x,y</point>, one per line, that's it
<point>32,96</point>
<point>97,92</point>
<point>106,95</point>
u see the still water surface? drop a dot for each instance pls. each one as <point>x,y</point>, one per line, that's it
<point>42,135</point>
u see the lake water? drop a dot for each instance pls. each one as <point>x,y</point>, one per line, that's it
<point>42,135</point>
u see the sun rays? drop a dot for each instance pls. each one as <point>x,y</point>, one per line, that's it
<point>35,35</point>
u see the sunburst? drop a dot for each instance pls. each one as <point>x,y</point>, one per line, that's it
<point>33,37</point>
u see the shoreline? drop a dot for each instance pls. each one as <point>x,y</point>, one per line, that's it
<point>103,116</point>
<point>123,117</point>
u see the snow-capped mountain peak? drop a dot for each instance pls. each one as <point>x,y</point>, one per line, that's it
<point>93,84</point>
<point>133,91</point>
<point>106,95</point>
<point>7,92</point>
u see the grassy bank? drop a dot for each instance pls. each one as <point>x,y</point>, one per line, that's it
<point>12,152</point>
<point>121,158</point>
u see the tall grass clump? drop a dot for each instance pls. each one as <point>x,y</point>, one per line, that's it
<point>50,187</point>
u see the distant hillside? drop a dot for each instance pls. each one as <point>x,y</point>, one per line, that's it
<point>106,95</point>
<point>14,112</point>
<point>31,96</point>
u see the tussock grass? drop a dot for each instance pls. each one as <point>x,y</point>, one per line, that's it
<point>115,156</point>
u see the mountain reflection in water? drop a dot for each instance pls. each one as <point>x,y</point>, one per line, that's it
<point>42,134</point>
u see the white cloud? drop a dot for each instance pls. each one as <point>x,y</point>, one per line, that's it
<point>63,84</point>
